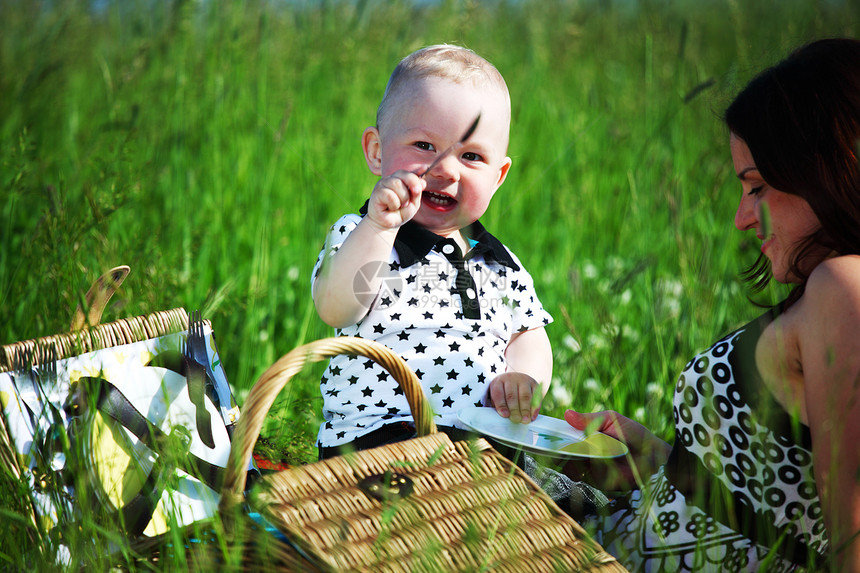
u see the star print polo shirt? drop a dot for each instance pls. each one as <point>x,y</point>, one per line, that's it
<point>449,316</point>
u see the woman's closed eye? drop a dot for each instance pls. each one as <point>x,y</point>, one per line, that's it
<point>756,190</point>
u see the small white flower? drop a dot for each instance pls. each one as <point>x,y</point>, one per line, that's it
<point>673,306</point>
<point>654,389</point>
<point>596,341</point>
<point>671,287</point>
<point>626,296</point>
<point>264,335</point>
<point>639,413</point>
<point>293,273</point>
<point>589,270</point>
<point>611,328</point>
<point>630,334</point>
<point>63,555</point>
<point>571,343</point>
<point>560,394</point>
<point>592,385</point>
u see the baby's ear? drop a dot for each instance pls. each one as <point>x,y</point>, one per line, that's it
<point>372,147</point>
<point>503,171</point>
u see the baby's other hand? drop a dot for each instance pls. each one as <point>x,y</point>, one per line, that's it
<point>395,199</point>
<point>515,396</point>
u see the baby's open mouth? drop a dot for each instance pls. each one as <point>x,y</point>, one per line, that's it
<point>437,199</point>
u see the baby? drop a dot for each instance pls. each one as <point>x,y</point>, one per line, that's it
<point>417,271</point>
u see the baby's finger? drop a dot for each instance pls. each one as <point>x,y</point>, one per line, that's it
<point>414,186</point>
<point>524,401</point>
<point>407,178</point>
<point>537,400</point>
<point>399,187</point>
<point>513,400</point>
<point>497,395</point>
<point>389,199</point>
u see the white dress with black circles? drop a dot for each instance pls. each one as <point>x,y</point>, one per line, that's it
<point>738,492</point>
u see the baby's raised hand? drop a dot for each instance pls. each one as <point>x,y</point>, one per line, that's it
<point>515,396</point>
<point>395,199</point>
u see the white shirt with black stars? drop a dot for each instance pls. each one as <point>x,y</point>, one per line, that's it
<point>419,313</point>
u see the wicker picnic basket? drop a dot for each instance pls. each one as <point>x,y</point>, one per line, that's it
<point>52,468</point>
<point>36,352</point>
<point>425,504</point>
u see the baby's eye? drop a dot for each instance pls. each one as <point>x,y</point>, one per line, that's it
<point>423,145</point>
<point>472,156</point>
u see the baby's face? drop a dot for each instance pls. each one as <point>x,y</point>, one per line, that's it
<point>430,117</point>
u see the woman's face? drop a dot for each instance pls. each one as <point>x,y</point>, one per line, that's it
<point>781,220</point>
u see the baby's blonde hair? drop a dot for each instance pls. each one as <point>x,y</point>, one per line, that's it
<point>445,61</point>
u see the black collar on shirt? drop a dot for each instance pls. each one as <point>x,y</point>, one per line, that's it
<point>413,242</point>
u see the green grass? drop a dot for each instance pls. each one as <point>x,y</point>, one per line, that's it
<point>209,145</point>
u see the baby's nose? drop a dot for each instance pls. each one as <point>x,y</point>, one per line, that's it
<point>447,168</point>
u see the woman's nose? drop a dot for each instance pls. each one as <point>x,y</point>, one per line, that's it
<point>745,215</point>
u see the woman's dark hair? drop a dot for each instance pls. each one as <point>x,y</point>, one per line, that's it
<point>801,122</point>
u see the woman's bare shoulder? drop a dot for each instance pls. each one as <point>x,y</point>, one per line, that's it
<point>837,276</point>
<point>826,327</point>
<point>828,313</point>
<point>828,318</point>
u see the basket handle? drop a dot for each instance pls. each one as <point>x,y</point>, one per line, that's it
<point>98,296</point>
<point>267,387</point>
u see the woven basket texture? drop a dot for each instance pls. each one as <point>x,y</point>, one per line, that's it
<point>469,508</point>
<point>98,337</point>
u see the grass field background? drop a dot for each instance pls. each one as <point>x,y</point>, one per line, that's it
<point>209,145</point>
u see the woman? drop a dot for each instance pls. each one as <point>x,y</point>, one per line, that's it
<point>765,470</point>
